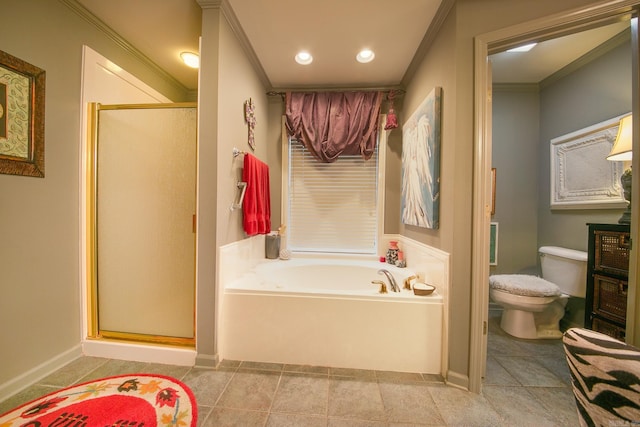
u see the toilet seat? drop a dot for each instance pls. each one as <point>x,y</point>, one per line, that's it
<point>524,285</point>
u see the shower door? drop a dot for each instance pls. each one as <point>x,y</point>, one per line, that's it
<point>142,212</point>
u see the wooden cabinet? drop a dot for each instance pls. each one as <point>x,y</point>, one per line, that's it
<point>607,275</point>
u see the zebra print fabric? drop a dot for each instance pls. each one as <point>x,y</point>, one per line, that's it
<point>605,377</point>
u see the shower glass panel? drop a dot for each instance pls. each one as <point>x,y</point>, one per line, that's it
<point>144,202</point>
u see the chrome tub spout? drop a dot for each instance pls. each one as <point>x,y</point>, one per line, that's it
<point>392,280</point>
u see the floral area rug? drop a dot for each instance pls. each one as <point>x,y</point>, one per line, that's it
<point>126,400</point>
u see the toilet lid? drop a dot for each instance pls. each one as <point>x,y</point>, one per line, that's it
<point>524,284</point>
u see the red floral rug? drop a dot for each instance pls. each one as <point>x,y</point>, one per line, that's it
<point>126,400</point>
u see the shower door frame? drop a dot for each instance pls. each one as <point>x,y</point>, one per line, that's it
<point>93,325</point>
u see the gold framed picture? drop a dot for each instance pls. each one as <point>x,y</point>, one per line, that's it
<point>22,88</point>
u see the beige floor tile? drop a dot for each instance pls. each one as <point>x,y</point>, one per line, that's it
<point>350,422</point>
<point>350,398</point>
<point>497,375</point>
<point>252,390</point>
<point>529,372</point>
<point>27,395</point>
<point>307,394</point>
<point>518,407</point>
<point>74,371</point>
<point>227,417</point>
<point>113,367</point>
<point>296,420</point>
<point>408,403</point>
<point>460,408</point>
<point>560,402</point>
<point>207,384</point>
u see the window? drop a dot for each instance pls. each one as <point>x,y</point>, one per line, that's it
<point>331,207</point>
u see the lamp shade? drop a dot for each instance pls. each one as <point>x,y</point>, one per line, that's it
<point>623,146</point>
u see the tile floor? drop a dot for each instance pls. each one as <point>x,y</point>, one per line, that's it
<point>527,384</point>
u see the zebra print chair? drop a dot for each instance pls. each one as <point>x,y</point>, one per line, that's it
<point>605,375</point>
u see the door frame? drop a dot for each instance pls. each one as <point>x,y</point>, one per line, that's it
<point>496,41</point>
<point>93,328</point>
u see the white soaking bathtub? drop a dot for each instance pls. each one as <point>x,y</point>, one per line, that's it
<point>326,312</point>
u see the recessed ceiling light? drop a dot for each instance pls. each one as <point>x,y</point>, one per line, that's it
<point>525,48</point>
<point>191,59</point>
<point>304,58</point>
<point>365,55</point>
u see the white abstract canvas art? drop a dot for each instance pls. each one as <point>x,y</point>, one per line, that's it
<point>421,164</point>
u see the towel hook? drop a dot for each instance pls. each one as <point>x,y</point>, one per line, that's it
<point>238,205</point>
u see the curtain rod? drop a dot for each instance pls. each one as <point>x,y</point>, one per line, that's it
<point>386,89</point>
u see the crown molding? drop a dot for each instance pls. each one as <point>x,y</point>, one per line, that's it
<point>592,55</point>
<point>516,87</point>
<point>85,14</point>
<point>210,4</point>
<point>429,37</point>
<point>234,23</point>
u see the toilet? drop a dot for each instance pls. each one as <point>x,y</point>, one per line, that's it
<point>533,306</point>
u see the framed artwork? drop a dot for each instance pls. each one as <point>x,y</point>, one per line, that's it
<point>493,244</point>
<point>581,175</point>
<point>420,196</point>
<point>22,88</point>
<point>493,191</point>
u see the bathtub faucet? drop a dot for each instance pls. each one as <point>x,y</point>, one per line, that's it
<point>392,281</point>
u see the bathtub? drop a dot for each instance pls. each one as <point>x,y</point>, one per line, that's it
<point>326,312</point>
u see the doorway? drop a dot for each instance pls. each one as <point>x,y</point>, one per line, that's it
<point>486,45</point>
<point>142,204</point>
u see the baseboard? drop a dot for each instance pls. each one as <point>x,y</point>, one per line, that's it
<point>456,379</point>
<point>32,376</point>
<point>140,353</point>
<point>207,360</point>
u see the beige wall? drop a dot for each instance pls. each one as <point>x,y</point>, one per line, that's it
<point>40,308</point>
<point>227,80</point>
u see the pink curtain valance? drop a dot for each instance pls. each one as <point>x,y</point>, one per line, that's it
<point>330,124</point>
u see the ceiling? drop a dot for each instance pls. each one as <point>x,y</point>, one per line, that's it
<point>333,31</point>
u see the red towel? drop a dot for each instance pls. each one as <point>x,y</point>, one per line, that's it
<point>256,206</point>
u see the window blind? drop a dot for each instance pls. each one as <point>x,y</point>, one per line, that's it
<point>332,206</point>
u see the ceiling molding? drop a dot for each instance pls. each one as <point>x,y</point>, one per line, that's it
<point>609,45</point>
<point>234,23</point>
<point>210,4</point>
<point>429,37</point>
<point>85,14</point>
<point>515,87</point>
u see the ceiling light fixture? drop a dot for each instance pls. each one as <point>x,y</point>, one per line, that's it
<point>524,48</point>
<point>365,55</point>
<point>304,58</point>
<point>191,59</point>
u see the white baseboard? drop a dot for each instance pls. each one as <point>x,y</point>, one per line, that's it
<point>32,376</point>
<point>140,353</point>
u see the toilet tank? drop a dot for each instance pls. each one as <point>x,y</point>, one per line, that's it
<point>567,268</point>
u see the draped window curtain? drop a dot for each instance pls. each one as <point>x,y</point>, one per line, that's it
<point>330,124</point>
